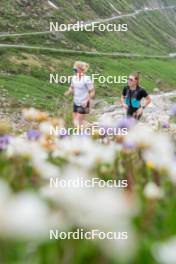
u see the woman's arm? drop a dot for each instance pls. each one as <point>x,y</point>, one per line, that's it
<point>69,91</point>
<point>147,101</point>
<point>124,105</point>
<point>92,92</point>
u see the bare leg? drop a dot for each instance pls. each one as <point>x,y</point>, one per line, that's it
<point>81,118</point>
<point>75,119</point>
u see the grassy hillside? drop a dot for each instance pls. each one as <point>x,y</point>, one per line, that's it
<point>148,32</point>
<point>25,73</point>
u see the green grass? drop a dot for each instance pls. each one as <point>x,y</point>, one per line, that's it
<point>28,74</point>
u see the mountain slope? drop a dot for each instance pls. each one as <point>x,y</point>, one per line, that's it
<point>25,73</point>
<point>148,31</point>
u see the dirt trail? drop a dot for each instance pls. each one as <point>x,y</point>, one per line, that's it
<point>155,114</point>
<point>92,53</point>
<point>136,12</point>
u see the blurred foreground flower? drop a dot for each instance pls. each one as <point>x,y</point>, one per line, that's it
<point>4,127</point>
<point>152,191</point>
<point>97,208</point>
<point>33,134</point>
<point>165,252</point>
<point>85,152</point>
<point>156,148</point>
<point>24,216</point>
<point>4,140</point>
<point>35,153</point>
<point>173,110</point>
<point>126,123</point>
<point>165,125</point>
<point>33,114</point>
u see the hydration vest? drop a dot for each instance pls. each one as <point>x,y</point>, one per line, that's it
<point>131,98</point>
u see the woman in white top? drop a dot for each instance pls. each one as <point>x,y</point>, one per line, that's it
<point>83,90</point>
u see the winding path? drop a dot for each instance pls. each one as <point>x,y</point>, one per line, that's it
<point>93,53</point>
<point>136,12</point>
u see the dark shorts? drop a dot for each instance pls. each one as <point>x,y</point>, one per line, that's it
<point>131,112</point>
<point>80,109</point>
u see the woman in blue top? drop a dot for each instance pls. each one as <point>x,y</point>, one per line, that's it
<point>132,95</point>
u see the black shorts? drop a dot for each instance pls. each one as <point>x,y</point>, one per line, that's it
<point>131,112</point>
<point>80,109</point>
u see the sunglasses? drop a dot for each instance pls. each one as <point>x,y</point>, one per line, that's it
<point>131,79</point>
<point>75,69</point>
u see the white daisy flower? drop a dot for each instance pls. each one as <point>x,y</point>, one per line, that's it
<point>165,252</point>
<point>152,191</point>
